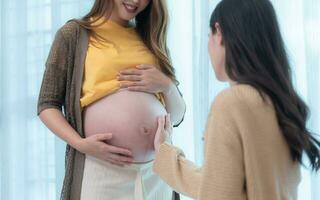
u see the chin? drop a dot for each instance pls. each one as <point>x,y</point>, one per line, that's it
<point>128,12</point>
<point>126,16</point>
<point>221,78</point>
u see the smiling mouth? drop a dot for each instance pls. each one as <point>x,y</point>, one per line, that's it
<point>130,8</point>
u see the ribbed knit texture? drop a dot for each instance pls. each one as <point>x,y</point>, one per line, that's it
<point>246,155</point>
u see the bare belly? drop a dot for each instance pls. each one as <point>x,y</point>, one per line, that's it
<point>132,119</point>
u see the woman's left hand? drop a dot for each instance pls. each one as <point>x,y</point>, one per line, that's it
<point>144,78</point>
<point>164,131</point>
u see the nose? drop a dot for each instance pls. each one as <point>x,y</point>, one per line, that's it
<point>135,1</point>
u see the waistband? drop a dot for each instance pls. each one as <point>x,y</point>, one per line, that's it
<point>133,166</point>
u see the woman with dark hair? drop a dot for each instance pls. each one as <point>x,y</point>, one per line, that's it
<point>111,73</point>
<point>256,131</point>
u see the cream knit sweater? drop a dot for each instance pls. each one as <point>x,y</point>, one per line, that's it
<point>246,156</point>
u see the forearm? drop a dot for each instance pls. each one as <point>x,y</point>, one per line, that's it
<point>56,122</point>
<point>178,172</point>
<point>175,104</point>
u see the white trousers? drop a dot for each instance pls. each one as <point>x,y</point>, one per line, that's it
<point>105,181</point>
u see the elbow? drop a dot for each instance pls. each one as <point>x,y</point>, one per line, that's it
<point>45,111</point>
<point>177,123</point>
<point>180,118</point>
<point>41,113</point>
<point>45,106</point>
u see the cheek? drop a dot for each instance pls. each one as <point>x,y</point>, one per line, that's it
<point>217,59</point>
<point>211,50</point>
<point>117,3</point>
<point>213,55</point>
<point>143,5</point>
<point>117,6</point>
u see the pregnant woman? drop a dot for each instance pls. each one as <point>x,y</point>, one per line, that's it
<point>111,74</point>
<point>256,131</point>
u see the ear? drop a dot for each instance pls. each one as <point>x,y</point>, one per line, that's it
<point>219,33</point>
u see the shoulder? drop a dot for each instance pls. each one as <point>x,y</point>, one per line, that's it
<point>65,43</point>
<point>236,105</point>
<point>239,97</point>
<point>70,30</point>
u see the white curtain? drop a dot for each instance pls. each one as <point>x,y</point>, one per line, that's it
<point>32,159</point>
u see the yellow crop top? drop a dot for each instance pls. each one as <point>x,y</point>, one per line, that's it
<point>123,49</point>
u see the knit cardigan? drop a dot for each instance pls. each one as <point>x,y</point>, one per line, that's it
<point>61,89</point>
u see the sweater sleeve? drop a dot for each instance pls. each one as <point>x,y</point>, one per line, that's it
<point>178,172</point>
<point>223,170</point>
<point>52,91</point>
<point>222,175</point>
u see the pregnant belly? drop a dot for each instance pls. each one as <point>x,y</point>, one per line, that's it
<point>132,119</point>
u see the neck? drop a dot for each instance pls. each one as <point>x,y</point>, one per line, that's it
<point>118,20</point>
<point>232,83</point>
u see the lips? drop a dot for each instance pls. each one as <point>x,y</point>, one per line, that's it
<point>130,8</point>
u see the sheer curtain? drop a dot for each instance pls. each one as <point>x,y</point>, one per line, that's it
<point>32,159</point>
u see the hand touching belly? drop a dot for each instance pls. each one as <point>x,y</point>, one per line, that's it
<point>132,119</point>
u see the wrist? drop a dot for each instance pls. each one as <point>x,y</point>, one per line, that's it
<point>78,144</point>
<point>157,148</point>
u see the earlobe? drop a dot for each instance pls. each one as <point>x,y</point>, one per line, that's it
<point>217,27</point>
<point>221,41</point>
<point>220,38</point>
<point>219,33</point>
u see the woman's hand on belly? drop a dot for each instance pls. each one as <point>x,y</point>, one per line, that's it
<point>96,146</point>
<point>132,119</point>
<point>145,78</point>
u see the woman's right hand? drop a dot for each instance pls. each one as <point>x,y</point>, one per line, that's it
<point>164,132</point>
<point>96,146</point>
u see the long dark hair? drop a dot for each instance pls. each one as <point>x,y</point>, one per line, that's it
<point>151,24</point>
<point>256,55</point>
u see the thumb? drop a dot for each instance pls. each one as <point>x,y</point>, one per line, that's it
<point>161,123</point>
<point>160,130</point>
<point>168,124</point>
<point>104,136</point>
